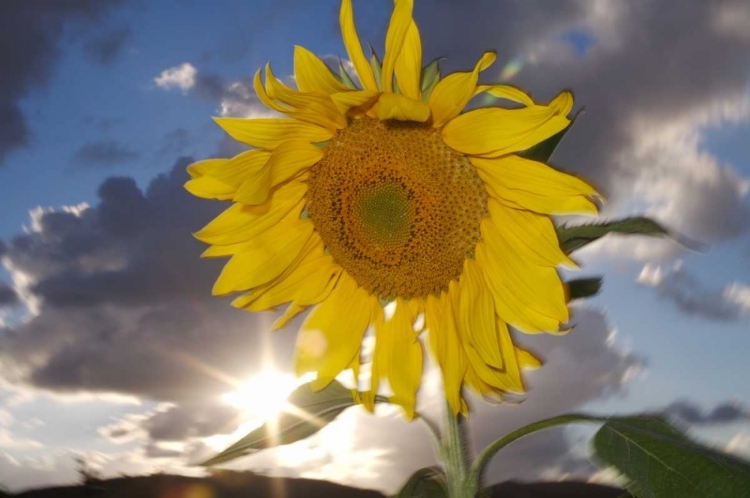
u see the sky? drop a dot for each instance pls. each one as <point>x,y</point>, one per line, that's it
<point>112,348</point>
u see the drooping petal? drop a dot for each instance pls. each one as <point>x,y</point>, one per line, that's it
<point>200,168</point>
<point>476,314</point>
<point>312,74</point>
<point>394,40</point>
<point>264,257</point>
<point>446,345</point>
<point>394,106</point>
<point>308,281</point>
<point>403,355</point>
<point>329,339</point>
<point>409,64</point>
<point>528,296</point>
<point>210,188</point>
<point>527,360</point>
<point>506,92</point>
<point>288,159</point>
<point>315,108</point>
<point>240,223</point>
<point>346,101</point>
<point>452,93</point>
<point>532,233</point>
<point>268,133</point>
<point>354,48</point>
<point>237,170</point>
<point>495,131</point>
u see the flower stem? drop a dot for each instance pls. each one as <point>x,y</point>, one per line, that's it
<point>454,455</point>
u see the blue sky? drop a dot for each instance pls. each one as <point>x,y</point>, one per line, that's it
<point>665,133</point>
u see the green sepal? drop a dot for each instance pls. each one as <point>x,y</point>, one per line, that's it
<point>543,151</point>
<point>376,68</point>
<point>345,78</point>
<point>430,78</point>
<point>583,287</point>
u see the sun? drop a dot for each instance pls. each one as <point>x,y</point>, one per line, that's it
<point>264,396</point>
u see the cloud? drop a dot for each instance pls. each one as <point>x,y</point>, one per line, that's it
<point>724,413</point>
<point>103,153</point>
<point>106,48</point>
<point>690,295</point>
<point>182,77</point>
<point>8,296</point>
<point>121,284</point>
<point>30,32</point>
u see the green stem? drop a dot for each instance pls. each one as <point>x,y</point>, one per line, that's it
<point>472,479</point>
<point>454,455</point>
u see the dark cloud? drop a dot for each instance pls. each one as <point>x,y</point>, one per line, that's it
<point>724,413</point>
<point>689,294</point>
<point>104,153</point>
<point>191,420</point>
<point>175,143</point>
<point>651,78</point>
<point>29,36</point>
<point>7,295</point>
<point>105,49</point>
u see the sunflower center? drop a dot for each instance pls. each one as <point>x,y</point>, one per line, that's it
<point>396,207</point>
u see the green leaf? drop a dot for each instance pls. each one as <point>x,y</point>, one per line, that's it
<point>543,151</point>
<point>345,78</point>
<point>428,482</point>
<point>430,78</point>
<point>662,462</point>
<point>314,411</point>
<point>575,237</point>
<point>583,287</point>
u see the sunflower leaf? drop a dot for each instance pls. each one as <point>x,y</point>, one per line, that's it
<point>572,238</point>
<point>583,287</point>
<point>313,411</point>
<point>543,151</point>
<point>430,78</point>
<point>428,482</point>
<point>660,461</point>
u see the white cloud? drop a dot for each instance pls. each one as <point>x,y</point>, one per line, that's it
<point>739,444</point>
<point>182,77</point>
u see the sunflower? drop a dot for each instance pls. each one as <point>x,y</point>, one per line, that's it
<point>390,197</point>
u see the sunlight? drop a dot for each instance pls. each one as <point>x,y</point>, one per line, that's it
<point>264,396</point>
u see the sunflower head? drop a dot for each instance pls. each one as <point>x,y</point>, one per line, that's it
<point>388,191</point>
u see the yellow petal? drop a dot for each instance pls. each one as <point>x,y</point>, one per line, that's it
<point>236,170</point>
<point>309,280</point>
<point>330,338</point>
<point>511,369</point>
<point>316,108</point>
<point>496,131</point>
<point>403,357</point>
<point>354,48</point>
<point>537,291</point>
<point>393,106</point>
<point>477,315</point>
<point>527,360</point>
<point>511,307</point>
<point>292,311</point>
<point>506,92</point>
<point>289,158</point>
<point>394,40</point>
<point>200,168</point>
<point>452,93</point>
<point>312,74</point>
<point>263,96</point>
<point>264,257</point>
<point>240,223</point>
<point>346,101</point>
<point>446,345</point>
<point>268,133</point>
<point>409,64</point>
<point>530,233</point>
<point>376,320</point>
<point>210,188</point>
